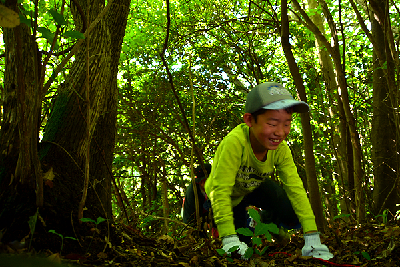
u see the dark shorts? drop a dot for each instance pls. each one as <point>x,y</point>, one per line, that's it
<point>275,205</point>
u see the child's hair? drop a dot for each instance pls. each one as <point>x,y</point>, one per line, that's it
<point>262,111</point>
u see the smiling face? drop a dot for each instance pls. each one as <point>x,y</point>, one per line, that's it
<point>269,131</point>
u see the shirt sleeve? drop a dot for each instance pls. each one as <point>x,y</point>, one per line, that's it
<point>220,184</point>
<point>294,188</point>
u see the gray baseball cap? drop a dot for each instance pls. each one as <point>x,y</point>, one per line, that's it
<point>272,95</point>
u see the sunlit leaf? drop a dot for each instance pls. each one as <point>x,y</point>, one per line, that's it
<point>58,18</point>
<point>74,34</point>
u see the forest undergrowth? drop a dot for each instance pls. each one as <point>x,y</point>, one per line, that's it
<point>370,244</point>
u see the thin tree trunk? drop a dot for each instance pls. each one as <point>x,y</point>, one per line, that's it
<point>312,181</point>
<point>22,107</point>
<point>339,143</point>
<point>342,90</point>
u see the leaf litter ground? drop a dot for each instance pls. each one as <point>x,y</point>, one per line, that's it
<point>366,245</point>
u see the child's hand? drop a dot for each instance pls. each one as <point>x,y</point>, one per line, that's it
<point>313,247</point>
<point>231,241</point>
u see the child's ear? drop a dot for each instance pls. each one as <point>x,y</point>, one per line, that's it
<point>247,118</point>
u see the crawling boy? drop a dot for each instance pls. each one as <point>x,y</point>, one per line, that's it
<point>242,168</point>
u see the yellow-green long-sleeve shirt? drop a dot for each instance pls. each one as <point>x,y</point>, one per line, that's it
<point>236,172</point>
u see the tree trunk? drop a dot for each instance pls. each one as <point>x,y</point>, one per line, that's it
<point>339,142</point>
<point>65,138</point>
<point>21,101</point>
<point>68,123</point>
<point>21,104</point>
<point>359,176</point>
<point>384,134</point>
<point>312,181</point>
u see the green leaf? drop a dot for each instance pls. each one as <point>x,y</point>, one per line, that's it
<point>32,222</point>
<point>255,215</point>
<point>312,11</point>
<point>71,238</point>
<point>54,232</point>
<point>366,255</point>
<point>87,220</point>
<point>58,18</point>
<point>268,236</point>
<point>249,252</point>
<point>24,20</point>
<point>245,231</point>
<point>257,241</point>
<point>221,252</point>
<point>262,229</point>
<point>100,220</point>
<point>341,216</point>
<point>262,251</point>
<point>74,34</point>
<point>46,33</point>
<point>273,228</point>
<point>233,249</point>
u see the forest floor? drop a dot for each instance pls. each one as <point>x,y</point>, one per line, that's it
<point>366,245</point>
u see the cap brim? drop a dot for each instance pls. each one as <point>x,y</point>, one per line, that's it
<point>298,106</point>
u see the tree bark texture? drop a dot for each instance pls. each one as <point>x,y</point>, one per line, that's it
<point>62,151</point>
<point>67,124</point>
<point>21,104</point>
<point>339,141</point>
<point>384,133</point>
<point>334,51</point>
<point>21,101</point>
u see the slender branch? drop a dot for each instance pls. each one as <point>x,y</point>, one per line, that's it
<point>170,79</point>
<point>312,27</point>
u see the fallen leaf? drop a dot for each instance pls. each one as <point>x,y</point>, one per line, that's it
<point>49,175</point>
<point>102,255</point>
<point>194,261</point>
<point>49,183</point>
<point>166,239</point>
<point>55,258</point>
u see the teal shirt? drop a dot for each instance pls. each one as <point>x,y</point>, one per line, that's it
<point>236,172</point>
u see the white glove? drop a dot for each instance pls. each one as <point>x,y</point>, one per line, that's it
<point>231,241</point>
<point>313,247</point>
